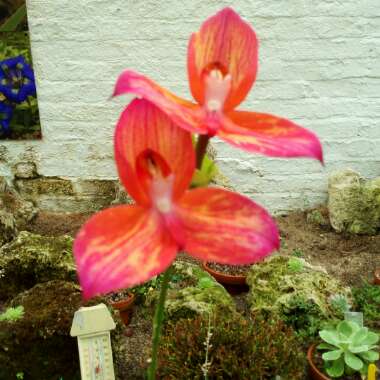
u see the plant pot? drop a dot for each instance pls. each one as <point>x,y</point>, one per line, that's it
<point>315,373</point>
<point>125,308</point>
<point>234,284</point>
<point>376,275</point>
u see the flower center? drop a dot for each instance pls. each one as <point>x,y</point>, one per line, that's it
<point>155,173</point>
<point>162,194</point>
<point>217,87</point>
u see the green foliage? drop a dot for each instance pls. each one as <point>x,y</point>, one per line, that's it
<point>304,317</point>
<point>340,304</point>
<point>15,20</point>
<point>155,283</point>
<point>238,349</point>
<point>367,300</point>
<point>12,314</point>
<point>14,44</point>
<point>350,348</point>
<point>20,375</point>
<point>203,176</point>
<point>295,265</point>
<point>297,253</point>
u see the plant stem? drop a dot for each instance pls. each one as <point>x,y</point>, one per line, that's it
<point>201,149</point>
<point>157,324</point>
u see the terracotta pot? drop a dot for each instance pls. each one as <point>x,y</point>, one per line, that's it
<point>125,307</point>
<point>376,275</point>
<point>315,373</point>
<point>234,284</point>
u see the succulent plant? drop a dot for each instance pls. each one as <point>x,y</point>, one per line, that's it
<point>350,348</point>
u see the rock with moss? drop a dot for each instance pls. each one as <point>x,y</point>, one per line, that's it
<point>30,259</point>
<point>354,204</point>
<point>318,217</point>
<point>43,332</point>
<point>194,292</point>
<point>299,293</point>
<point>15,212</point>
<point>121,195</point>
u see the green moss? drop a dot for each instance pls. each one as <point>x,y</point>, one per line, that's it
<point>32,259</point>
<point>354,204</point>
<point>367,300</point>
<point>238,348</point>
<point>301,298</point>
<point>194,292</point>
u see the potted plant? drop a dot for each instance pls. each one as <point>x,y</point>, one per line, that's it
<point>349,349</point>
<point>123,301</point>
<point>376,275</point>
<point>232,277</point>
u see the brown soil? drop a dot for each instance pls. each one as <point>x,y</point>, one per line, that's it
<point>350,258</point>
<point>233,270</point>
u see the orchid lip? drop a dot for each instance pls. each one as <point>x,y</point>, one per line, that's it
<point>217,88</point>
<point>161,193</point>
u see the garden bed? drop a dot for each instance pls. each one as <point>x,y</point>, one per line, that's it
<point>351,259</point>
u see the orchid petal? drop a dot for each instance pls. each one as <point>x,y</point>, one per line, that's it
<point>143,127</point>
<point>121,247</point>
<point>224,41</point>
<point>226,227</point>
<point>182,112</point>
<point>269,135</point>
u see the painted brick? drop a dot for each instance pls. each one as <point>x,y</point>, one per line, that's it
<point>318,66</point>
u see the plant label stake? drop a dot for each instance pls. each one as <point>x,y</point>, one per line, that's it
<point>91,326</point>
<point>354,316</point>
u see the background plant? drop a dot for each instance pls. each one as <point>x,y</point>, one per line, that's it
<point>295,264</point>
<point>367,300</point>
<point>12,314</point>
<point>238,349</point>
<point>350,349</point>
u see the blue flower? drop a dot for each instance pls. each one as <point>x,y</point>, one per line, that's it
<point>6,113</point>
<point>16,79</point>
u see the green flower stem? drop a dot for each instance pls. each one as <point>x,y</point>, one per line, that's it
<point>157,324</point>
<point>201,148</point>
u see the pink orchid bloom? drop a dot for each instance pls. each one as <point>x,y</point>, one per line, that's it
<point>222,65</point>
<point>126,245</point>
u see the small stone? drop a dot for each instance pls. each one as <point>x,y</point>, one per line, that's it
<point>25,170</point>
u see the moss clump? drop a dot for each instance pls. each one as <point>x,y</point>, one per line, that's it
<point>43,333</point>
<point>193,292</point>
<point>31,259</point>
<point>367,300</point>
<point>301,298</point>
<point>258,348</point>
<point>354,204</point>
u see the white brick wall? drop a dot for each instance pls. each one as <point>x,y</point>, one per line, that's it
<point>319,66</point>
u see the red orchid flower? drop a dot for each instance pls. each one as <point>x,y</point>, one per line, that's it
<point>126,245</point>
<point>222,65</point>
